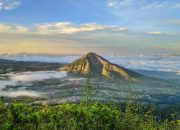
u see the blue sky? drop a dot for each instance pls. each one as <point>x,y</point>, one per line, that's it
<point>109,26</point>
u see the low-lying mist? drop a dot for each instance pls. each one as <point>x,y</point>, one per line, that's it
<point>54,86</point>
<point>25,79</point>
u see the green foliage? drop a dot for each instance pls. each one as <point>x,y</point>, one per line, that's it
<point>87,115</point>
<point>97,116</point>
<point>88,88</point>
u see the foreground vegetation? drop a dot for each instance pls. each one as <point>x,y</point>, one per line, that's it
<point>92,116</point>
<point>86,115</point>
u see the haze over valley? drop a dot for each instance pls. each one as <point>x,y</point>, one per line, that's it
<point>38,77</point>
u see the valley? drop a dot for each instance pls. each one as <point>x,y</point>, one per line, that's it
<point>42,82</point>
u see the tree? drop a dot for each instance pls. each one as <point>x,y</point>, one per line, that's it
<point>87,92</point>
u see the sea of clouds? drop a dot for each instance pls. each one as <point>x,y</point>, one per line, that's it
<point>40,58</point>
<point>164,63</point>
<point>159,63</point>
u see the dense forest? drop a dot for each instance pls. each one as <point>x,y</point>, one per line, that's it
<point>87,115</point>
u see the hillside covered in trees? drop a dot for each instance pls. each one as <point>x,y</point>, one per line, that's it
<point>82,116</point>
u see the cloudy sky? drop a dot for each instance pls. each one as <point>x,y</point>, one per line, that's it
<point>79,26</point>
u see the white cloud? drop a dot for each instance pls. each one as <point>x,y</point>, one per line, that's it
<point>22,93</point>
<point>6,28</point>
<point>163,33</point>
<point>156,5</point>
<point>155,33</point>
<point>26,78</point>
<point>119,3</point>
<point>126,2</point>
<point>176,5</point>
<point>36,76</point>
<point>58,28</point>
<point>70,28</point>
<point>39,58</point>
<point>142,4</point>
<point>9,4</point>
<point>112,3</point>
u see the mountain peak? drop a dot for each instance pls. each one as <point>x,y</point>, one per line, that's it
<point>96,66</point>
<point>90,55</point>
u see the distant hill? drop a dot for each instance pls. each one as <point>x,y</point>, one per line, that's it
<point>94,65</point>
<point>9,66</point>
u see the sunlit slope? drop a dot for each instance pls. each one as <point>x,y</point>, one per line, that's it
<point>95,65</point>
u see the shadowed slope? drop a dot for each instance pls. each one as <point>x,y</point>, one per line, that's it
<point>95,65</point>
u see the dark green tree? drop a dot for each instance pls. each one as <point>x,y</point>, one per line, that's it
<point>88,88</point>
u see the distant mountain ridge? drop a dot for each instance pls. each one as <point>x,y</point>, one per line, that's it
<point>95,65</point>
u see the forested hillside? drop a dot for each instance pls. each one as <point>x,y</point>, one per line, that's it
<point>83,116</point>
